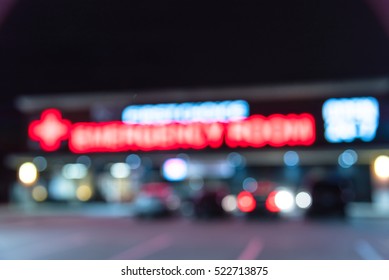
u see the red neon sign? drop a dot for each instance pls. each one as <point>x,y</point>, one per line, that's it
<point>256,131</point>
<point>276,131</point>
<point>50,130</point>
<point>117,136</point>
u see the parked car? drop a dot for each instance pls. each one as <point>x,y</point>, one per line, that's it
<point>205,203</point>
<point>258,205</point>
<point>156,199</point>
<point>328,200</point>
<point>208,204</point>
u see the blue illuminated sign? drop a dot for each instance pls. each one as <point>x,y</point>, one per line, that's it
<point>348,119</point>
<point>210,111</point>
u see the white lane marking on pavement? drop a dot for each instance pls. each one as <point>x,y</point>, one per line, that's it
<point>366,251</point>
<point>146,248</point>
<point>252,250</point>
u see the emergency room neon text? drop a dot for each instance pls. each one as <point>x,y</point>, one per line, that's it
<point>255,131</point>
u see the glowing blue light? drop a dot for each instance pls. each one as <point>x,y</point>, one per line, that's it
<point>133,161</point>
<point>235,159</point>
<point>210,111</point>
<point>250,184</point>
<point>84,160</point>
<point>175,169</point>
<point>348,158</point>
<point>40,163</point>
<point>291,158</point>
<point>347,119</point>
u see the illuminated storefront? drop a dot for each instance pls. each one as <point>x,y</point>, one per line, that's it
<point>107,151</point>
<point>255,131</point>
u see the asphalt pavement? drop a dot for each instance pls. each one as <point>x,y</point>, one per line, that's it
<point>52,233</point>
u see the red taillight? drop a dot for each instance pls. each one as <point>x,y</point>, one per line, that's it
<point>246,202</point>
<point>271,204</point>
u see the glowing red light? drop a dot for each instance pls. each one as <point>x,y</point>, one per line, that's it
<point>271,204</point>
<point>276,130</point>
<point>256,131</point>
<point>118,136</point>
<point>50,130</point>
<point>246,202</point>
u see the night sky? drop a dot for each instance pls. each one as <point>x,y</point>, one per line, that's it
<point>91,45</point>
<point>99,45</point>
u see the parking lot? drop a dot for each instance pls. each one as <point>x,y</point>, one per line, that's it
<point>111,234</point>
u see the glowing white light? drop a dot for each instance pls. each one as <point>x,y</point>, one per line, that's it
<point>303,200</point>
<point>347,119</point>
<point>28,173</point>
<point>74,171</point>
<point>186,112</point>
<point>284,200</point>
<point>291,158</point>
<point>175,169</point>
<point>120,170</point>
<point>348,158</point>
<point>381,167</point>
<point>229,203</point>
<point>61,188</point>
<point>250,184</point>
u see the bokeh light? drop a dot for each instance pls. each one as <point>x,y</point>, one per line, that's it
<point>175,169</point>
<point>229,203</point>
<point>74,171</point>
<point>284,200</point>
<point>84,193</point>
<point>381,167</point>
<point>303,200</point>
<point>246,202</point>
<point>28,173</point>
<point>120,170</point>
<point>291,158</point>
<point>348,158</point>
<point>40,163</point>
<point>39,193</point>
<point>250,184</point>
<point>134,161</point>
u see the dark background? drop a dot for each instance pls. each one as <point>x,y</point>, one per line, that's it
<point>89,45</point>
<point>98,45</point>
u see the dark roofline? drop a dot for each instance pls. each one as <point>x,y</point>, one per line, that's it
<point>83,100</point>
